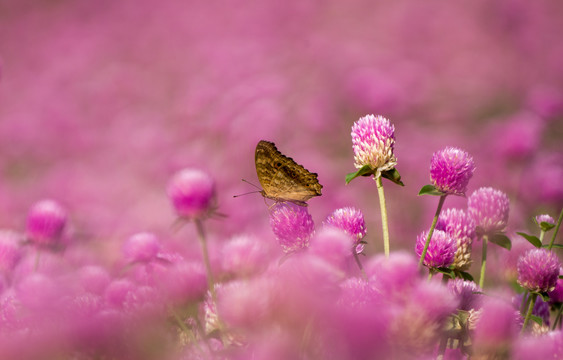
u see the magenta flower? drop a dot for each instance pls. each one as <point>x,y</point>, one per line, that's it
<point>496,327</point>
<point>292,225</point>
<point>450,170</point>
<point>545,218</point>
<point>45,222</point>
<point>244,256</point>
<point>461,227</point>
<point>10,250</point>
<point>556,295</point>
<point>373,141</point>
<point>538,270</point>
<point>489,209</point>
<point>441,250</point>
<point>351,221</point>
<point>466,292</point>
<point>192,193</point>
<point>141,247</point>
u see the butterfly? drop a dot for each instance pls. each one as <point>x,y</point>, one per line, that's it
<point>283,179</point>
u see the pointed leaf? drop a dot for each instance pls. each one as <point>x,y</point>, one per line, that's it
<point>537,319</point>
<point>531,238</point>
<point>430,190</point>
<point>446,271</point>
<point>545,226</point>
<point>501,240</point>
<point>393,175</point>
<point>466,276</point>
<point>366,170</point>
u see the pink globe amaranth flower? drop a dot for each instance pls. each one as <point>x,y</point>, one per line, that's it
<point>93,279</point>
<point>489,208</point>
<point>441,249</point>
<point>358,294</point>
<point>538,270</point>
<point>466,293</point>
<point>244,255</point>
<point>556,295</point>
<point>351,221</point>
<point>141,247</point>
<point>45,223</point>
<point>547,346</point>
<point>373,141</point>
<point>184,282</point>
<point>332,245</point>
<point>192,193</point>
<point>292,225</point>
<point>461,227</point>
<point>496,327</point>
<point>10,249</point>
<point>393,276</point>
<point>450,170</point>
<point>545,218</point>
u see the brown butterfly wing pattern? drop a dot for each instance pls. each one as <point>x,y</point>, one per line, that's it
<point>283,179</point>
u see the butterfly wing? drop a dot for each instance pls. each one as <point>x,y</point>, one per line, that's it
<point>282,179</point>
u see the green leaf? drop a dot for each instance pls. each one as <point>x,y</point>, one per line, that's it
<point>501,240</point>
<point>466,276</point>
<point>561,276</point>
<point>531,238</point>
<point>545,226</point>
<point>545,297</point>
<point>430,190</point>
<point>555,246</point>
<point>536,319</point>
<point>366,170</point>
<point>446,271</point>
<point>393,175</point>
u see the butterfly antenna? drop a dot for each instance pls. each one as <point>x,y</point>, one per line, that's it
<point>251,192</point>
<point>248,182</point>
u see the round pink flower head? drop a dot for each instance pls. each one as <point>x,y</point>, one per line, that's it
<point>441,250</point>
<point>373,140</point>
<point>556,295</point>
<point>141,247</point>
<point>45,222</point>
<point>450,170</point>
<point>538,270</point>
<point>467,293</point>
<point>545,219</point>
<point>461,227</point>
<point>192,193</point>
<point>292,225</point>
<point>10,249</point>
<point>489,209</point>
<point>351,221</point>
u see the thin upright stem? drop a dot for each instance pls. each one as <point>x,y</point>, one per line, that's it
<point>529,313</point>
<point>203,243</point>
<point>556,230</point>
<point>357,258</point>
<point>557,318</point>
<point>383,209</point>
<point>431,231</point>
<point>483,262</point>
<point>542,235</point>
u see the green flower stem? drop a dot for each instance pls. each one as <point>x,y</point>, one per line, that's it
<point>556,230</point>
<point>483,262</point>
<point>557,317</point>
<point>542,234</point>
<point>529,313</point>
<point>434,221</point>
<point>383,216</point>
<point>524,301</point>
<point>430,274</point>
<point>203,243</point>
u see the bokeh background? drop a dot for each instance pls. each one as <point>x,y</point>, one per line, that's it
<point>102,101</point>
